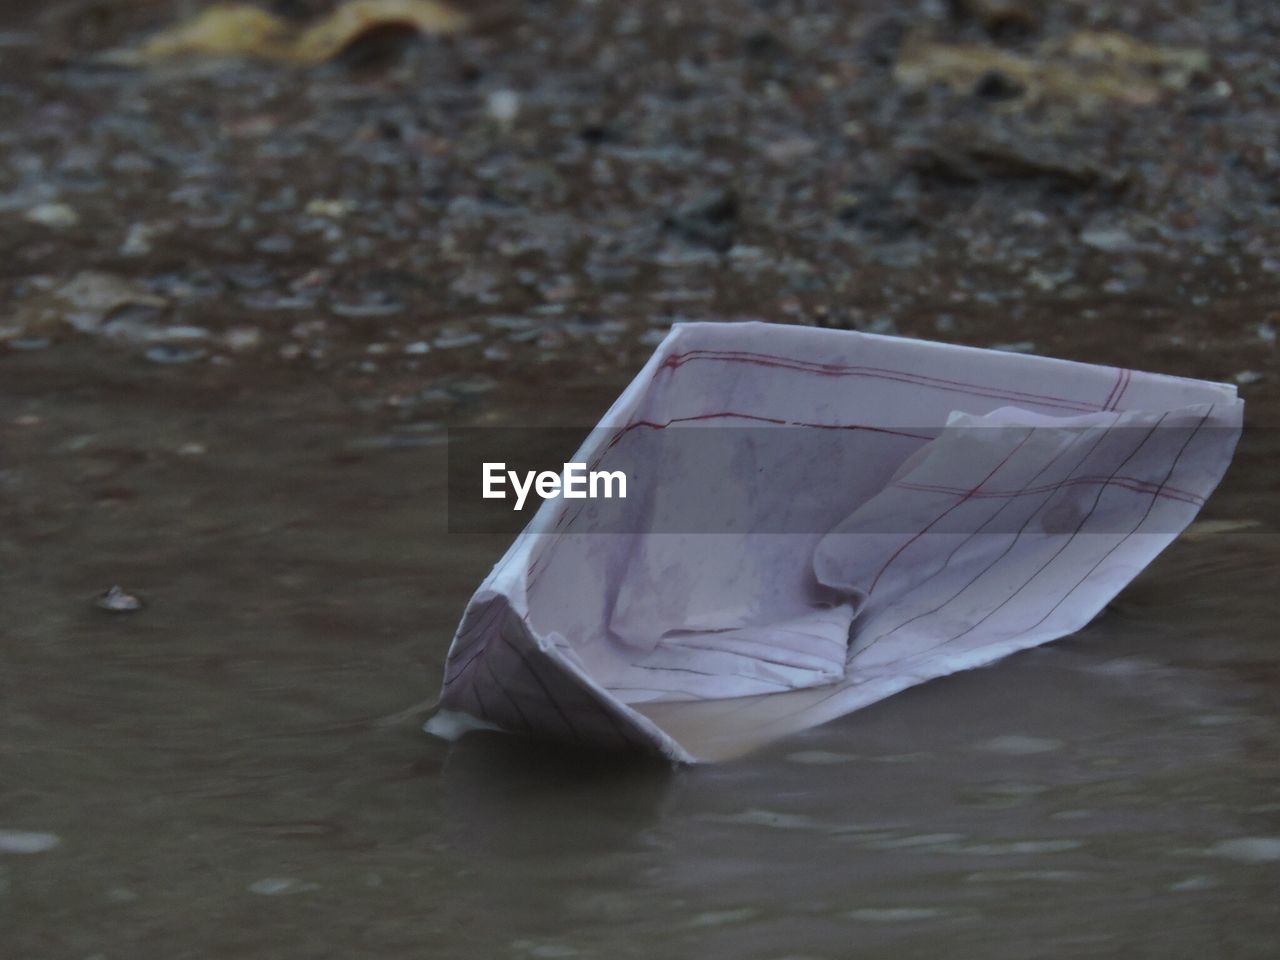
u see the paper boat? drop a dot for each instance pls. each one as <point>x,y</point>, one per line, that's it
<point>819,519</point>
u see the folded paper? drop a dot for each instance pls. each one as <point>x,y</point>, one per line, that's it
<point>817,520</point>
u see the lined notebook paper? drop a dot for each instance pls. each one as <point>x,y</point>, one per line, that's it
<point>818,519</point>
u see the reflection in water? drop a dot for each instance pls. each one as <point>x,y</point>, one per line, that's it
<point>507,795</point>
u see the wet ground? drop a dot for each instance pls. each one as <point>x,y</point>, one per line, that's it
<point>240,303</point>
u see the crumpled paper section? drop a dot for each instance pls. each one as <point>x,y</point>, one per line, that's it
<point>978,503</point>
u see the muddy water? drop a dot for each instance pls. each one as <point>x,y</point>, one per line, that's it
<point>228,771</point>
<point>239,302</point>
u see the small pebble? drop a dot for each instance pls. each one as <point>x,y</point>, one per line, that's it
<point>273,301</point>
<point>276,243</point>
<point>242,338</point>
<point>369,308</point>
<point>1108,239</point>
<point>137,242</point>
<point>475,385</point>
<point>452,341</point>
<point>503,322</point>
<point>331,209</point>
<point>168,353</point>
<point>181,333</point>
<point>790,150</point>
<point>503,106</point>
<point>117,600</point>
<point>497,352</point>
<point>57,216</point>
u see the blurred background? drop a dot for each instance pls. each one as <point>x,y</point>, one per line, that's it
<point>255,259</point>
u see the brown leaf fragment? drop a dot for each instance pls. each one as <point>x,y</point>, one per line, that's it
<point>243,30</point>
<point>1089,69</point>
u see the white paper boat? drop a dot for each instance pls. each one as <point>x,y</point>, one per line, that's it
<point>856,515</point>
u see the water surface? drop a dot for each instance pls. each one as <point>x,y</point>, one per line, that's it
<point>238,769</point>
